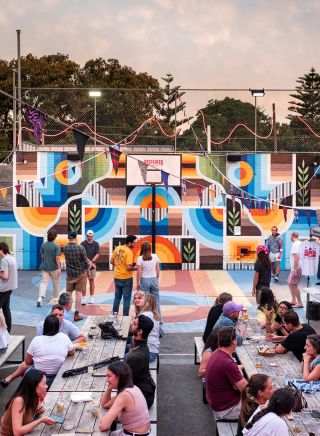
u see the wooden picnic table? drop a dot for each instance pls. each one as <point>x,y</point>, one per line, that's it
<point>277,366</point>
<point>98,349</point>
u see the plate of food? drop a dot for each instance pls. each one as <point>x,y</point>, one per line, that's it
<point>265,351</point>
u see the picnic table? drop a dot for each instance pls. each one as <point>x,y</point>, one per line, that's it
<point>314,293</point>
<point>278,367</point>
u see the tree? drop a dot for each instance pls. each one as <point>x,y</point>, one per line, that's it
<point>223,116</point>
<point>307,96</point>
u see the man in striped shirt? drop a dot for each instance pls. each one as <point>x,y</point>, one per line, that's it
<point>275,245</point>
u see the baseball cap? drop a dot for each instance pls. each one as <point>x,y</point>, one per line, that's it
<point>231,306</point>
<point>72,235</point>
<point>90,232</point>
<point>262,248</point>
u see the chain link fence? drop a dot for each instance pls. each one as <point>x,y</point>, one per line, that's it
<point>238,120</point>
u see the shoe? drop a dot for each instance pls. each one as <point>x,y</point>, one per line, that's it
<point>39,302</point>
<point>297,306</point>
<point>91,301</point>
<point>84,301</point>
<point>77,317</point>
<point>276,278</point>
<point>4,383</point>
<point>318,283</point>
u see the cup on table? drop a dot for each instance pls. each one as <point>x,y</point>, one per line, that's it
<point>259,362</point>
<point>95,409</point>
<point>60,406</point>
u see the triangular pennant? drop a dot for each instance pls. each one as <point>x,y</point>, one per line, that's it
<point>285,212</point>
<point>65,173</point>
<point>4,192</point>
<point>81,165</point>
<point>184,187</point>
<point>223,195</point>
<point>308,215</point>
<point>164,179</point>
<point>212,194</point>
<point>115,156</point>
<point>36,119</point>
<point>199,190</point>
<point>31,183</point>
<point>42,180</point>
<point>81,139</point>
<point>296,215</point>
<point>105,153</point>
<point>73,169</point>
<point>143,170</point>
<point>18,188</point>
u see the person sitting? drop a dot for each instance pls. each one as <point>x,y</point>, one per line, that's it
<point>258,391</point>
<point>4,335</point>
<point>224,379</point>
<point>65,300</point>
<point>311,359</point>
<point>277,327</point>
<point>65,326</point>
<point>136,301</point>
<point>215,312</point>
<point>20,410</point>
<point>46,352</point>
<point>269,421</point>
<point>262,275</point>
<point>229,318</point>
<point>138,357</point>
<point>129,406</point>
<point>149,308</point>
<point>267,309</point>
<point>296,339</point>
<point>210,346</point>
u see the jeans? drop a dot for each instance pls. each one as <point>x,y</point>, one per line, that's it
<point>5,306</point>
<point>152,356</point>
<point>151,285</point>
<point>123,288</point>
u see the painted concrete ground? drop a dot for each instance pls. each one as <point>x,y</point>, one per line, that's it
<point>186,296</point>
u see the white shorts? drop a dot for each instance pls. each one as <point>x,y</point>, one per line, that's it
<point>274,257</point>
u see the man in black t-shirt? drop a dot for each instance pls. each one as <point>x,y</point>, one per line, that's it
<point>93,252</point>
<point>298,333</point>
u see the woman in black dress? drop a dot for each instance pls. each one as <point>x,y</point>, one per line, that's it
<point>262,268</point>
<point>215,312</point>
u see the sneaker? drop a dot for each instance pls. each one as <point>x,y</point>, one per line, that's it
<point>84,301</point>
<point>77,317</point>
<point>39,302</point>
<point>91,301</point>
<point>276,278</point>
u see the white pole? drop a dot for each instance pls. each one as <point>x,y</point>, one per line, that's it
<point>209,139</point>
<point>14,117</point>
<point>19,90</point>
<point>95,124</point>
<point>255,125</point>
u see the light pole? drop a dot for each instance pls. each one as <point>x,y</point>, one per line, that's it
<point>256,93</point>
<point>95,95</point>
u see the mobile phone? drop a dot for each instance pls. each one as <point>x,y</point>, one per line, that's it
<point>59,419</point>
<point>315,413</point>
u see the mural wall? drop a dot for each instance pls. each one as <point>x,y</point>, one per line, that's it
<point>225,208</point>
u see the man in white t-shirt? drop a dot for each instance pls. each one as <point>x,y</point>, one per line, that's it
<point>295,271</point>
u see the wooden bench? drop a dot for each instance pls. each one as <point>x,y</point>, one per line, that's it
<point>15,342</point>
<point>225,428</point>
<point>198,349</point>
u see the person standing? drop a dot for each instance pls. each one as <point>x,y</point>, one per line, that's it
<point>77,270</point>
<point>8,281</point>
<point>275,245</point>
<point>262,274</point>
<point>93,252</point>
<point>50,267</point>
<point>295,273</point>
<point>122,260</point>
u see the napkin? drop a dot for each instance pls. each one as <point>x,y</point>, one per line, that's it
<point>79,397</point>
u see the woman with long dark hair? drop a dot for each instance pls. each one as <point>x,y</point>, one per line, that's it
<point>215,312</point>
<point>311,359</point>
<point>267,309</point>
<point>257,392</point>
<point>24,405</point>
<point>269,421</point>
<point>210,346</point>
<point>262,275</point>
<point>129,406</point>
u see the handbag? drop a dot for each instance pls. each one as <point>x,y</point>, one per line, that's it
<point>299,401</point>
<point>109,332</point>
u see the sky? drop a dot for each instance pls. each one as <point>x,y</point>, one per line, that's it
<point>203,43</point>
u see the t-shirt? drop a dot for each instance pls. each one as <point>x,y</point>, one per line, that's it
<point>296,341</point>
<point>49,251</point>
<point>153,340</point>
<point>295,250</point>
<point>66,327</point>
<point>9,265</point>
<point>269,425</point>
<point>221,374</point>
<point>122,256</point>
<point>262,314</point>
<point>49,352</point>
<point>264,274</point>
<point>309,257</point>
<point>91,249</point>
<point>148,267</point>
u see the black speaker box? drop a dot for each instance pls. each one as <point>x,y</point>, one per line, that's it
<point>233,157</point>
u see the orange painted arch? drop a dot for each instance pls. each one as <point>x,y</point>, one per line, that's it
<point>166,251</point>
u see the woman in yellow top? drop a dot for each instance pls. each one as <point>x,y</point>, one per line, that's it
<point>267,309</point>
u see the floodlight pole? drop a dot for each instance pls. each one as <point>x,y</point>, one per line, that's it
<point>14,109</point>
<point>153,206</point>
<point>19,90</point>
<point>255,124</point>
<point>95,125</point>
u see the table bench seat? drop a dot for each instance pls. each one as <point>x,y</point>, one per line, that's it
<point>15,342</point>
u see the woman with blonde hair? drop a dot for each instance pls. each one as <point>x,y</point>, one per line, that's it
<point>136,301</point>
<point>149,308</point>
<point>148,271</point>
<point>215,312</point>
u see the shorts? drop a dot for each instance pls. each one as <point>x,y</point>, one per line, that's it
<point>274,257</point>
<point>294,279</point>
<point>92,273</point>
<point>232,413</point>
<point>77,283</point>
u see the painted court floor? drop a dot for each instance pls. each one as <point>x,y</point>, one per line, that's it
<point>185,296</point>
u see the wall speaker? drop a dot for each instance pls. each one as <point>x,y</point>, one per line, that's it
<point>233,157</point>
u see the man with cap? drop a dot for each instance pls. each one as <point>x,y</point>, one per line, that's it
<point>229,318</point>
<point>77,270</point>
<point>93,252</point>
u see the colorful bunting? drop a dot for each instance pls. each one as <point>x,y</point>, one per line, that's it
<point>105,153</point>
<point>199,190</point>
<point>115,156</point>
<point>223,195</point>
<point>212,194</point>
<point>164,179</point>
<point>296,215</point>
<point>65,173</point>
<point>73,169</point>
<point>43,180</point>
<point>308,215</point>
<point>36,119</point>
<point>31,184</point>
<point>285,212</point>
<point>18,188</point>
<point>184,187</point>
<point>80,139</point>
<point>143,170</point>
<point>4,192</point>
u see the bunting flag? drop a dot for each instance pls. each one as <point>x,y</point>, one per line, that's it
<point>143,170</point>
<point>164,179</point>
<point>42,180</point>
<point>223,195</point>
<point>184,187</point>
<point>65,173</point>
<point>18,188</point>
<point>31,184</point>
<point>80,139</point>
<point>285,212</point>
<point>199,192</point>
<point>73,169</point>
<point>296,215</point>
<point>115,156</point>
<point>233,199</point>
<point>308,215</point>
<point>4,192</point>
<point>105,153</point>
<point>82,165</point>
<point>36,119</point>
<point>212,194</point>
